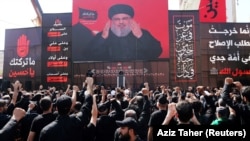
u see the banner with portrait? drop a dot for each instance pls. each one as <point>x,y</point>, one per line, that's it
<point>141,35</point>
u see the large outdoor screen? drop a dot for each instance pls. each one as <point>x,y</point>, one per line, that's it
<point>125,30</point>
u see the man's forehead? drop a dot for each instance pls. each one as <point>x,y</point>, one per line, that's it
<point>121,15</point>
<point>124,127</point>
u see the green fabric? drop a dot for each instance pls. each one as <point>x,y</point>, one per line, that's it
<point>219,121</point>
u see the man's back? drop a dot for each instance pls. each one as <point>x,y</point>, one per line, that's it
<point>105,128</point>
<point>245,114</point>
<point>73,127</point>
<point>64,128</point>
<point>4,118</point>
<point>157,117</point>
<point>41,121</point>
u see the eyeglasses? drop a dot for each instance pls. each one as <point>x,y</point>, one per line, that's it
<point>123,19</point>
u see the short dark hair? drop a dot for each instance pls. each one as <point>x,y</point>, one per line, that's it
<point>197,105</point>
<point>63,104</point>
<point>162,99</point>
<point>45,103</point>
<point>222,111</point>
<point>2,103</point>
<point>246,93</point>
<point>184,110</point>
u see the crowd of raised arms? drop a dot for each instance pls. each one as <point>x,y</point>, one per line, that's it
<point>95,113</point>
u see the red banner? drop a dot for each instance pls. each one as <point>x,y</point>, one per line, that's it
<point>57,78</point>
<point>54,49</point>
<point>57,64</point>
<point>212,11</point>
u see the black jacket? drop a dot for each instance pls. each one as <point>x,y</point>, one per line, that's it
<point>124,48</point>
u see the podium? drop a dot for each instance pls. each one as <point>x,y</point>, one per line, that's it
<point>121,79</point>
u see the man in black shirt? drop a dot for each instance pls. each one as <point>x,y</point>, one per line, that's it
<point>75,127</point>
<point>7,133</point>
<point>4,117</point>
<point>42,120</point>
<point>157,116</point>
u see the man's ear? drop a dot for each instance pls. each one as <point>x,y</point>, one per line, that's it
<point>157,104</point>
<point>131,131</point>
<point>244,99</point>
<point>176,115</point>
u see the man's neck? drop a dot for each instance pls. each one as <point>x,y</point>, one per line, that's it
<point>163,108</point>
<point>133,138</point>
<point>46,112</point>
<point>180,122</point>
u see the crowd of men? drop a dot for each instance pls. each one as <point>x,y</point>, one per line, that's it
<point>95,113</point>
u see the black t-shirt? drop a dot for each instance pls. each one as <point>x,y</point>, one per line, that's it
<point>4,118</point>
<point>157,118</point>
<point>41,121</point>
<point>105,128</point>
<point>245,114</point>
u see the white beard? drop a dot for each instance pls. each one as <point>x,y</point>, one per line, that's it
<point>120,32</point>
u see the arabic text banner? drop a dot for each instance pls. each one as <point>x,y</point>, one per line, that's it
<point>22,54</point>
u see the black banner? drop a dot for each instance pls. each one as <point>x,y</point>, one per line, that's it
<point>22,55</point>
<point>184,41</point>
<point>225,49</point>
<point>135,73</point>
<point>56,51</point>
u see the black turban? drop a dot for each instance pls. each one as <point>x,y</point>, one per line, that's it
<point>120,8</point>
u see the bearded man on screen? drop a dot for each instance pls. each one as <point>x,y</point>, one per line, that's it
<point>123,39</point>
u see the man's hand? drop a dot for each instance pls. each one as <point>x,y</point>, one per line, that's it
<point>145,91</point>
<point>103,91</point>
<point>32,105</point>
<point>105,32</point>
<point>171,109</point>
<point>75,88</point>
<point>238,85</point>
<point>136,29</point>
<point>146,85</point>
<point>170,114</point>
<point>89,81</point>
<point>228,80</point>
<point>23,46</point>
<point>17,85</point>
<point>18,114</point>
